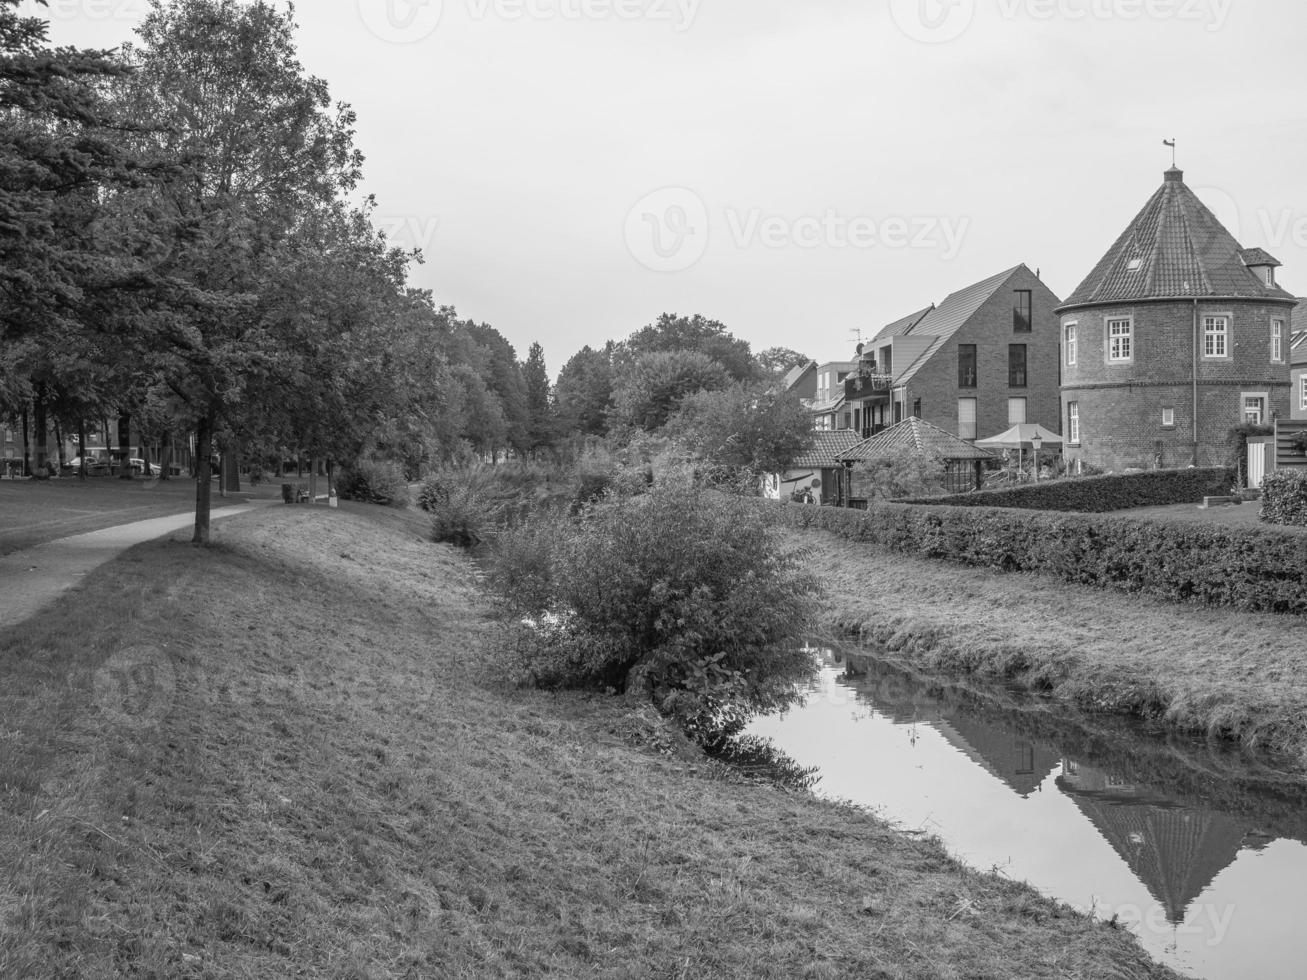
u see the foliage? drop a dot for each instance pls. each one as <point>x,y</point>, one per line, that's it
<point>584,392</point>
<point>1237,443</point>
<point>1284,498</point>
<point>693,334</point>
<point>902,476</point>
<point>1251,569</point>
<point>776,362</point>
<point>681,592</point>
<point>748,427</point>
<point>1102,494</point>
<point>652,389</point>
<point>540,421</point>
<point>373,482</point>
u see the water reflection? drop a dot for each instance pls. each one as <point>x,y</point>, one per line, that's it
<point>1195,847</point>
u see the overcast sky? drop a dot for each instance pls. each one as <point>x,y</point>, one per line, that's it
<point>798,169</point>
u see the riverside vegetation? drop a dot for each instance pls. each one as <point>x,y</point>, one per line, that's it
<point>295,753</point>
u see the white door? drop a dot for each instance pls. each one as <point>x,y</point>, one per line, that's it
<point>1256,464</point>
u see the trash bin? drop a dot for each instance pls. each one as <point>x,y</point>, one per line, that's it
<point>287,493</point>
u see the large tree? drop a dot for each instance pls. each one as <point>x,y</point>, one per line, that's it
<point>694,333</point>
<point>584,392</point>
<point>744,427</point>
<point>651,391</point>
<point>257,144</point>
<point>541,426</point>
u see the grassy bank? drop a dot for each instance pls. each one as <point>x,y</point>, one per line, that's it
<point>290,756</point>
<point>1241,676</point>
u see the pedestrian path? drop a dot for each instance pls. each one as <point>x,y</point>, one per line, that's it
<point>32,578</point>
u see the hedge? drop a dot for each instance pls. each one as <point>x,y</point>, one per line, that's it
<point>1284,498</point>
<point>1101,494</point>
<point>1250,569</point>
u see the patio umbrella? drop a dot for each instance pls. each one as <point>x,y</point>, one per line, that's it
<point>1020,437</point>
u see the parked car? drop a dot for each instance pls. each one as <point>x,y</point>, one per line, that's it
<point>95,466</point>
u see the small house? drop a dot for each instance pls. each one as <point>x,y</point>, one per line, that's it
<point>964,463</point>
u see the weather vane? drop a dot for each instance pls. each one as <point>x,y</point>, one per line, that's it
<point>1171,144</point>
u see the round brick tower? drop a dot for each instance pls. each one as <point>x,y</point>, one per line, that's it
<point>1177,336</point>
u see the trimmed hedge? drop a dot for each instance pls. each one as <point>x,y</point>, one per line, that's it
<point>1284,498</point>
<point>1101,494</point>
<point>1249,569</point>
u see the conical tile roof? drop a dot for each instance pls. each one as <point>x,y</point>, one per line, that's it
<point>1175,249</point>
<point>914,437</point>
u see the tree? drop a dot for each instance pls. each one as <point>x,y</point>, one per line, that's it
<point>652,390</point>
<point>776,362</point>
<point>697,333</point>
<point>584,392</point>
<point>255,143</point>
<point>539,410</point>
<point>745,427</point>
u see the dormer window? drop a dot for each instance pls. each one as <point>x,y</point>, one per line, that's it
<point>1270,275</point>
<point>1135,265</point>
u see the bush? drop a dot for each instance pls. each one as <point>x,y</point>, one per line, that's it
<point>1101,494</point>
<point>1284,498</point>
<point>371,482</point>
<point>1250,569</point>
<point>681,594</point>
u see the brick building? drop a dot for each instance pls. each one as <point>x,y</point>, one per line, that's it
<point>1298,361</point>
<point>982,361</point>
<point>1178,335</point>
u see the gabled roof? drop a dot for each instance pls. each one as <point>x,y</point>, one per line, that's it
<point>1258,256</point>
<point>1174,249</point>
<point>914,437</point>
<point>795,374</point>
<point>824,453</point>
<point>899,327</point>
<point>829,406</point>
<point>945,319</point>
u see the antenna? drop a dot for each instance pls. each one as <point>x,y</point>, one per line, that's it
<point>857,333</point>
<point>1171,144</point>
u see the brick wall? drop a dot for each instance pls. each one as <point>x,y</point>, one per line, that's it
<point>1121,405</point>
<point>991,330</point>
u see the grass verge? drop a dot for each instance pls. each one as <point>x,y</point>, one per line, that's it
<point>1241,676</point>
<point>288,755</point>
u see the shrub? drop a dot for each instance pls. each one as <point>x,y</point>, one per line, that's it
<point>1284,498</point>
<point>1251,569</point>
<point>681,594</point>
<point>1101,494</point>
<point>371,482</point>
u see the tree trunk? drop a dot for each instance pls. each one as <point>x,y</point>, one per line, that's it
<point>27,446</point>
<point>125,444</point>
<point>81,445</point>
<point>59,444</point>
<point>165,456</point>
<point>203,488</point>
<point>40,425</point>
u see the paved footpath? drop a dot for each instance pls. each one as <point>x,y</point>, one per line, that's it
<point>34,577</point>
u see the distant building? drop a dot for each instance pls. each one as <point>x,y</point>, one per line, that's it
<point>1178,335</point>
<point>817,473</point>
<point>1298,361</point>
<point>982,361</point>
<point>830,409</point>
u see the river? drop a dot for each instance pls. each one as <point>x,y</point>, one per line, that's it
<point>1197,848</point>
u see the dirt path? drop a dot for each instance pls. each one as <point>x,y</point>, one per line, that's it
<point>34,577</point>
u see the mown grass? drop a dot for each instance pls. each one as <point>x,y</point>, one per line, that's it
<point>1240,676</point>
<point>289,756</point>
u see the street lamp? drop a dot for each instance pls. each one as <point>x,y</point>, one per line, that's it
<point>1037,443</point>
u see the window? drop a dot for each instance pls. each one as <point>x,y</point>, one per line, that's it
<point>1073,423</point>
<point>1016,411</point>
<point>887,360</point>
<point>916,409</point>
<point>1302,392</point>
<point>1254,408</point>
<point>967,366</point>
<point>1023,319</point>
<point>1270,275</point>
<point>1216,336</point>
<point>967,418</point>
<point>1016,365</point>
<point>1277,340</point>
<point>1168,418</point>
<point>1072,343</point>
<point>1120,339</point>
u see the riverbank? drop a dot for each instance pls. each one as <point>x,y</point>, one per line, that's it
<point>290,755</point>
<point>1238,676</point>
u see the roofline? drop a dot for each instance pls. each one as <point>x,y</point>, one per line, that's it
<point>1104,304</point>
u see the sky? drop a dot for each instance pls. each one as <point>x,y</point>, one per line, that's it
<point>800,170</point>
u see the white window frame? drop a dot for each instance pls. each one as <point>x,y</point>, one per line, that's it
<point>1211,335</point>
<point>1168,418</point>
<point>1025,411</point>
<point>975,418</point>
<point>1073,423</point>
<point>1302,392</point>
<point>1265,398</point>
<point>1127,340</point>
<point>1071,335</point>
<point>1277,341</point>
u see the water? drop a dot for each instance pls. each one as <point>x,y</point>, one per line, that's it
<point>1197,849</point>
